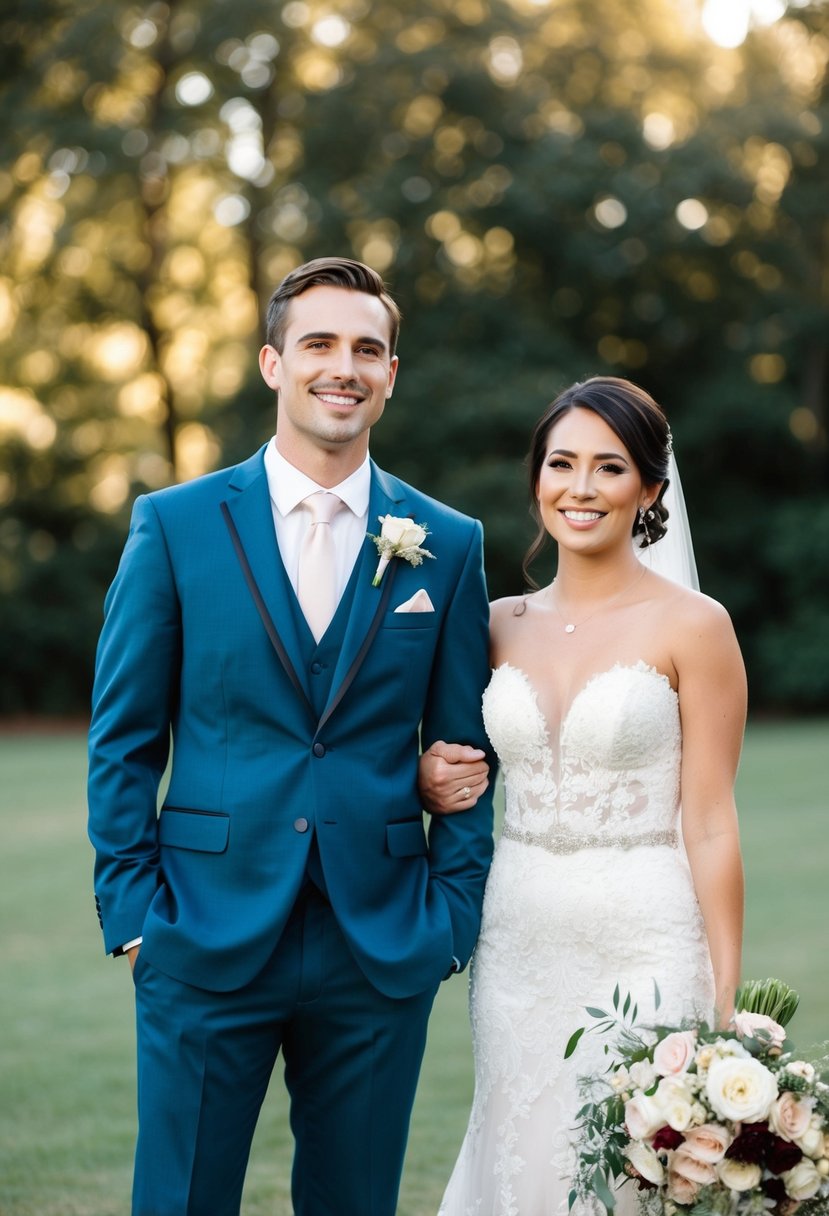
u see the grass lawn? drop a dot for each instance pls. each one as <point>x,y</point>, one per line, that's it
<point>66,1050</point>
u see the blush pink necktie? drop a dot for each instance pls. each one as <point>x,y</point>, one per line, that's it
<point>317,573</point>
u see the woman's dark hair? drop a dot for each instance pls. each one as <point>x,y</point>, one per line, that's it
<point>327,272</point>
<point>640,424</point>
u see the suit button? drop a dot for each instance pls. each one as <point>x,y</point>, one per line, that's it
<point>316,668</point>
<point>319,750</point>
<point>300,825</point>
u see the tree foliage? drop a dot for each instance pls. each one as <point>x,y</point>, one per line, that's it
<point>552,190</point>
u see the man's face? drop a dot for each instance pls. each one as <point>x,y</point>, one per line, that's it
<point>334,374</point>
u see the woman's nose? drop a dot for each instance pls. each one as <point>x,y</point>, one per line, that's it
<point>582,485</point>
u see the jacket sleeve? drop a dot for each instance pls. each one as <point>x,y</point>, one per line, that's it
<point>460,845</point>
<point>134,695</point>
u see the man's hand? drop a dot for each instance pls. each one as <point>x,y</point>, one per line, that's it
<point>451,777</point>
<point>132,955</point>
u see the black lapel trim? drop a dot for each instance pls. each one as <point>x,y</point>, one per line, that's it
<point>270,628</point>
<point>348,679</point>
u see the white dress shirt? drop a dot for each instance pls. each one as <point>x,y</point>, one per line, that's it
<point>288,487</point>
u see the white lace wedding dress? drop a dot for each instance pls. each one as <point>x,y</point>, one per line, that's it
<point>589,887</point>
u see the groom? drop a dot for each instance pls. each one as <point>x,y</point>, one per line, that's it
<point>286,894</point>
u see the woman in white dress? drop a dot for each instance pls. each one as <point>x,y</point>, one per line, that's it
<point>617,695</point>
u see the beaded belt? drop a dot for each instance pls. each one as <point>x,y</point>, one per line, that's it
<point>574,842</point>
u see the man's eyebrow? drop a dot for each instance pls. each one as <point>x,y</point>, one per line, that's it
<point>596,455</point>
<point>315,335</point>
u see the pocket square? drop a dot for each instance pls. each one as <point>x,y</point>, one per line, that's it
<point>419,602</point>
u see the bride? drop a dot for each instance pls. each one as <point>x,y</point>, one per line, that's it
<point>617,696</point>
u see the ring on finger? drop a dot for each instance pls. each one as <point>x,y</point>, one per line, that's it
<point>466,792</point>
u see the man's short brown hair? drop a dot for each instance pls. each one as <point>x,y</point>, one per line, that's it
<point>326,272</point>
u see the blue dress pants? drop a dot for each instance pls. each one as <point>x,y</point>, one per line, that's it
<point>352,1059</point>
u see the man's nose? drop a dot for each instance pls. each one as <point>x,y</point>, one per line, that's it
<point>342,364</point>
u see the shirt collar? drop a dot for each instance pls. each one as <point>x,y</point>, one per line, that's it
<point>288,485</point>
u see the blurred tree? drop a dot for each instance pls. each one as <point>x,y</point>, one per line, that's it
<point>552,190</point>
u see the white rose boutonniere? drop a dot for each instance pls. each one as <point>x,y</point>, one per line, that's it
<point>399,538</point>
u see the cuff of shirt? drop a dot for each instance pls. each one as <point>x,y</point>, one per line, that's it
<point>136,941</point>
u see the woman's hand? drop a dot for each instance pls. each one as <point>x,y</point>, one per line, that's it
<point>451,777</point>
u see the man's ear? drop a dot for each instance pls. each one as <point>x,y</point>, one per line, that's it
<point>269,366</point>
<point>394,363</point>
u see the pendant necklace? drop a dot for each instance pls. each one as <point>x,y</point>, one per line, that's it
<point>571,626</point>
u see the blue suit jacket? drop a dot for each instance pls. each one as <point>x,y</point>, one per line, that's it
<point>198,645</point>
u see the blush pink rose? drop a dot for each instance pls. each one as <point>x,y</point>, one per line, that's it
<point>789,1117</point>
<point>675,1053</point>
<point>692,1168</point>
<point>749,1023</point>
<point>707,1142</point>
<point>681,1190</point>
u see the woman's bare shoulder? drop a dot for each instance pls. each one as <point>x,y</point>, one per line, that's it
<point>505,613</point>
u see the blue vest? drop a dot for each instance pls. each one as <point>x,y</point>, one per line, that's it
<point>319,660</point>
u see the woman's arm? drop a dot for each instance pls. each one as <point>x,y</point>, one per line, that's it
<point>712,700</point>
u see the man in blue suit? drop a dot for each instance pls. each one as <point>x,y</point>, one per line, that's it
<point>286,894</point>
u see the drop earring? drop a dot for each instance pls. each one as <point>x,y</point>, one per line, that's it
<point>643,521</point>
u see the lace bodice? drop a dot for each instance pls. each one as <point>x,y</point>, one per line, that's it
<point>610,767</point>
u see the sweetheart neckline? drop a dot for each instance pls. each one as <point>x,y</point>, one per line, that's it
<point>640,665</point>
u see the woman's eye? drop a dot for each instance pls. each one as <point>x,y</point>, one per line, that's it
<point>612,468</point>
<point>558,463</point>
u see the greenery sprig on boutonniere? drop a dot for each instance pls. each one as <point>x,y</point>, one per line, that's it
<point>399,538</point>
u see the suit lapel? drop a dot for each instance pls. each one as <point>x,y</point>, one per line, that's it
<point>251,518</point>
<point>370,603</point>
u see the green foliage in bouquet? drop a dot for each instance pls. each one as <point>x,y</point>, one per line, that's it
<point>705,1122</point>
<point>773,998</point>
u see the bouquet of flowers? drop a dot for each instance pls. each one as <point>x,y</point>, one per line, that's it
<point>707,1122</point>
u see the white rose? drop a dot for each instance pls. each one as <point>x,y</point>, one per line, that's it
<point>674,1101</point>
<point>811,1142</point>
<point>738,1175</point>
<point>803,1181</point>
<point>740,1089</point>
<point>790,1116</point>
<point>401,532</point>
<point>707,1142</point>
<point>675,1052</point>
<point>645,1161</point>
<point>643,1117</point>
<point>643,1074</point>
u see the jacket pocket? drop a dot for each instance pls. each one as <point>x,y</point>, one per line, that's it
<point>406,839</point>
<point>203,831</point>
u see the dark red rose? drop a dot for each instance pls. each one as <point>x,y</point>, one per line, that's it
<point>753,1144</point>
<point>783,1156</point>
<point>666,1137</point>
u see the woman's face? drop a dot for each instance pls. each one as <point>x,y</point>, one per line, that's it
<point>589,490</point>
